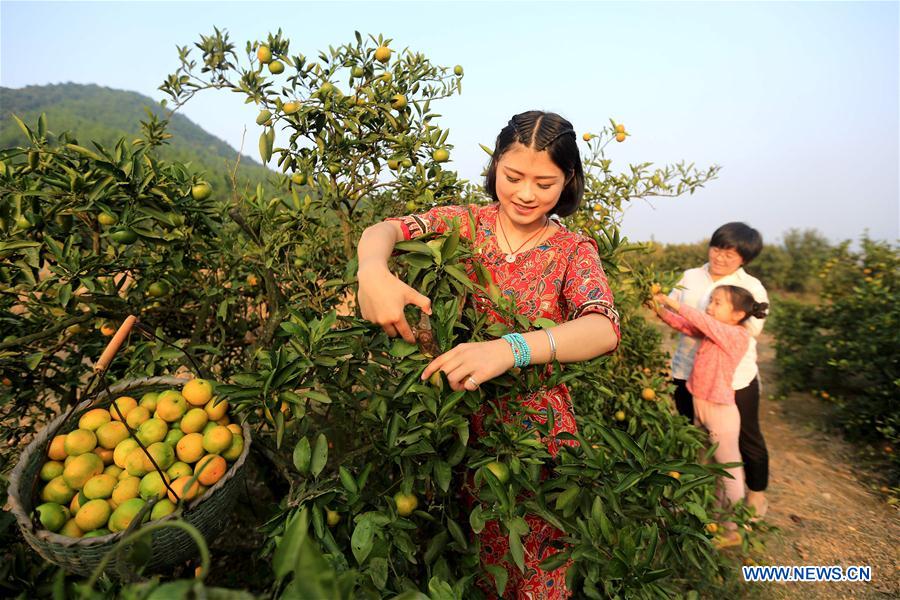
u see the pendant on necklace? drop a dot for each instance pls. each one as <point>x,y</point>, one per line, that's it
<point>510,258</point>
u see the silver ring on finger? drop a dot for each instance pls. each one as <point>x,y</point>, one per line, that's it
<point>471,380</point>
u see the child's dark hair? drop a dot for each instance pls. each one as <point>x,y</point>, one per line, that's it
<point>543,131</point>
<point>743,300</point>
<point>740,236</point>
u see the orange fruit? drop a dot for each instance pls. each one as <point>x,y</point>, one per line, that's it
<point>620,128</point>
<point>217,440</point>
<point>290,108</point>
<point>93,419</point>
<point>80,441</point>
<point>51,470</point>
<point>276,67</point>
<point>190,448</point>
<point>57,449</point>
<point>126,489</point>
<point>587,137</point>
<point>100,486</point>
<point>71,529</point>
<point>237,446</point>
<point>194,420</point>
<point>105,454</point>
<point>161,509</point>
<point>674,474</point>
<point>152,486</point>
<point>171,406</point>
<point>216,409</point>
<point>52,515</point>
<point>712,527</point>
<point>440,155</point>
<point>210,469</point>
<point>82,468</point>
<point>124,404</point>
<point>57,490</point>
<point>125,513</point>
<point>113,470</point>
<point>107,329</point>
<point>152,431</point>
<point>382,54</point>
<point>110,434</point>
<point>136,416</point>
<point>406,503</point>
<point>264,54</point>
<point>235,429</point>
<point>197,392</point>
<point>184,488</point>
<point>123,449</point>
<point>179,469</point>
<point>148,401</point>
<point>620,137</point>
<point>201,191</point>
<point>252,280</point>
<point>332,517</point>
<point>648,394</point>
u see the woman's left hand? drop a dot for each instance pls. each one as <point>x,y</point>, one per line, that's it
<point>469,365</point>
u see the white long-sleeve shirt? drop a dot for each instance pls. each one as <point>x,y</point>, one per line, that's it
<point>696,288</point>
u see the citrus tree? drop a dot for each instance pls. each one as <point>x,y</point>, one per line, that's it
<point>367,463</point>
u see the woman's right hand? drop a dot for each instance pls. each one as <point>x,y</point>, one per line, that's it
<point>382,298</point>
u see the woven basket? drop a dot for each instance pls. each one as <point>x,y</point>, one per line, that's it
<point>170,545</point>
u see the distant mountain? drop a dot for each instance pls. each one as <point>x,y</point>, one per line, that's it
<point>95,113</point>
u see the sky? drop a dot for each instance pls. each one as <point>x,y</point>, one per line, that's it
<point>798,102</point>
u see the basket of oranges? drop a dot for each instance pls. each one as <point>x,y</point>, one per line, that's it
<point>144,450</point>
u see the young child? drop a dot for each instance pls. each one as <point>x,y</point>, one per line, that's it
<point>723,342</point>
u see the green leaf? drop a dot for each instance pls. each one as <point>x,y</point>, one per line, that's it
<point>287,553</point>
<point>302,455</point>
<point>442,475</point>
<point>438,589</point>
<point>500,575</point>
<point>347,480</point>
<point>32,360</point>
<point>517,551</point>
<point>476,520</point>
<point>362,539</point>
<point>319,455</point>
<point>567,497</point>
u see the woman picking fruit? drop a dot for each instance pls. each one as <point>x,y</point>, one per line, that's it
<point>535,172</point>
<point>723,343</point>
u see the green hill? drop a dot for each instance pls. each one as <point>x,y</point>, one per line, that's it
<point>101,114</point>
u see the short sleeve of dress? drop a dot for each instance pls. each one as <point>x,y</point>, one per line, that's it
<point>585,288</point>
<point>436,220</point>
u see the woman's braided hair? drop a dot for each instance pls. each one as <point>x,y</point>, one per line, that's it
<point>543,131</point>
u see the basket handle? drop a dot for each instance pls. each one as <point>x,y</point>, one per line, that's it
<point>114,344</point>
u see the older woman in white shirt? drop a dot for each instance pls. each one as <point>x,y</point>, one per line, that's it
<point>732,245</point>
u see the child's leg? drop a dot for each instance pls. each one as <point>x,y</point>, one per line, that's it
<point>724,424</point>
<point>684,401</point>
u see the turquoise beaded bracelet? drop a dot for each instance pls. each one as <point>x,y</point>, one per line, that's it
<point>521,351</point>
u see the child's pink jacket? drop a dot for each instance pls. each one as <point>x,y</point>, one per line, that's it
<point>717,358</point>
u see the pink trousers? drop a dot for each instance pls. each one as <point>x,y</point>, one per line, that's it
<point>723,422</point>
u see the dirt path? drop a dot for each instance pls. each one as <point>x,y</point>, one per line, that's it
<point>822,503</point>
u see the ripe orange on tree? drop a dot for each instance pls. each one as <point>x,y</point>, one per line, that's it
<point>620,137</point>
<point>648,394</point>
<point>382,54</point>
<point>406,503</point>
<point>264,54</point>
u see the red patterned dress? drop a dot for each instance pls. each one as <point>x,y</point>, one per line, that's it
<point>561,279</point>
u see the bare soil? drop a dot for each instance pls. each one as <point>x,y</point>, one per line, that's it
<point>823,500</point>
